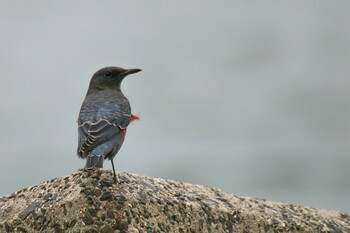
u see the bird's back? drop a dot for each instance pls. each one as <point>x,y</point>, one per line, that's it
<point>104,104</point>
<point>102,116</point>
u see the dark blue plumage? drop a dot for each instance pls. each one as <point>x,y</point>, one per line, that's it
<point>104,117</point>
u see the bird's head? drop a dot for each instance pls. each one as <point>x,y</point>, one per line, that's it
<point>110,78</point>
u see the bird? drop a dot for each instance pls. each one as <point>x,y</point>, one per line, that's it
<point>104,117</point>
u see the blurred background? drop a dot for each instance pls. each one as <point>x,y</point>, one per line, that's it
<point>247,96</point>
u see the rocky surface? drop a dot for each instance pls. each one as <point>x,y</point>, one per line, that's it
<point>89,201</point>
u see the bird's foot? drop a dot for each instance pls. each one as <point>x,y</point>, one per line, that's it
<point>115,178</point>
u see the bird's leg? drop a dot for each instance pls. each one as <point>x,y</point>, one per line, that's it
<point>114,175</point>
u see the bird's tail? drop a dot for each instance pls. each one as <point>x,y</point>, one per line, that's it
<point>94,161</point>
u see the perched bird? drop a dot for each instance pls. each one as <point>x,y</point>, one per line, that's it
<point>104,116</point>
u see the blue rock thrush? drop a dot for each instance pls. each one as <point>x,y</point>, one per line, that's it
<point>104,117</point>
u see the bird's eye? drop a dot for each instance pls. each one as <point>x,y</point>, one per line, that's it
<point>108,74</point>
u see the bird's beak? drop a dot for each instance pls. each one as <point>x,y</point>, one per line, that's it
<point>130,71</point>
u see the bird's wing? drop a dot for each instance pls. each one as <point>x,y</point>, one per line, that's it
<point>95,133</point>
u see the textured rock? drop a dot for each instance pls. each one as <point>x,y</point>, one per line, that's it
<point>89,201</point>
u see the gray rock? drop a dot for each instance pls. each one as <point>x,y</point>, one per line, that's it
<point>144,204</point>
<point>24,214</point>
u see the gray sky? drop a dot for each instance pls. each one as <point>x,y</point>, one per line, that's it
<point>250,97</point>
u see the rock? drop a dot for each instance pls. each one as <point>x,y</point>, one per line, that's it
<point>89,201</point>
<point>24,214</point>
